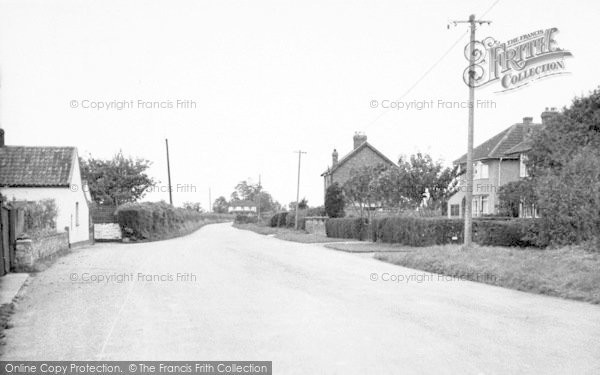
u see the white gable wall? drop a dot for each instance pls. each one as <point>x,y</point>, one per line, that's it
<point>65,200</point>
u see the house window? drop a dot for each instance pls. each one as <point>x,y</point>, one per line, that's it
<point>475,207</point>
<point>480,170</point>
<point>454,210</point>
<point>523,167</point>
<point>484,205</point>
<point>76,214</point>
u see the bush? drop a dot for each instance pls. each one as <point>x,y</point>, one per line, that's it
<point>245,219</point>
<point>334,201</point>
<point>518,232</point>
<point>156,220</point>
<point>40,217</point>
<point>278,220</point>
<point>355,228</point>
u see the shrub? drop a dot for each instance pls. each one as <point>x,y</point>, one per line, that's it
<point>246,219</point>
<point>355,228</point>
<point>279,219</point>
<point>518,232</point>
<point>39,217</point>
<point>334,201</point>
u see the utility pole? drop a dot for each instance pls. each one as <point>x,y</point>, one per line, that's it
<point>468,230</point>
<point>300,152</point>
<point>169,173</point>
<point>209,201</point>
<point>259,187</point>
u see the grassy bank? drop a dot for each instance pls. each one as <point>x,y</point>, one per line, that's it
<point>288,234</point>
<point>569,272</point>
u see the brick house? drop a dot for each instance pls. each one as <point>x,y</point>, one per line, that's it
<point>362,154</point>
<point>497,161</point>
<point>33,173</point>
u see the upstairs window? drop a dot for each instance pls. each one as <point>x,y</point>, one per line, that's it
<point>523,167</point>
<point>480,170</point>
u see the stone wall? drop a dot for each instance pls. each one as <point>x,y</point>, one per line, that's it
<point>316,224</point>
<point>107,232</point>
<point>29,251</point>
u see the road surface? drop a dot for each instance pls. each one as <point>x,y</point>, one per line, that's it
<point>309,309</point>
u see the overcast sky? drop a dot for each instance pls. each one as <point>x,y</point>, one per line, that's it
<point>268,78</point>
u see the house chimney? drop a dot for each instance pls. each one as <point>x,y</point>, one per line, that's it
<point>527,120</point>
<point>359,139</point>
<point>334,158</point>
<point>548,114</point>
<point>1,137</point>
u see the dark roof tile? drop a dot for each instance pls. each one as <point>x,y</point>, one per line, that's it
<point>35,166</point>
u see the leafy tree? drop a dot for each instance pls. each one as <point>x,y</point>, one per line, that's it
<point>220,205</point>
<point>334,201</point>
<point>255,193</point>
<point>116,181</point>
<point>194,206</point>
<point>564,163</point>
<point>303,205</point>
<point>420,176</point>
<point>361,189</point>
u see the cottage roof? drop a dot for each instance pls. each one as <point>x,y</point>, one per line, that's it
<point>354,152</point>
<point>22,166</point>
<point>503,144</point>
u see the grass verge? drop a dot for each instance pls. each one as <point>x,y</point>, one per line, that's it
<point>288,234</point>
<point>569,272</point>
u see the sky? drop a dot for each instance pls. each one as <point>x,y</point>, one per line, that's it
<point>244,84</point>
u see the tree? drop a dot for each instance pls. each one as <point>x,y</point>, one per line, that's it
<point>194,206</point>
<point>361,189</point>
<point>334,201</point>
<point>255,193</point>
<point>220,205</point>
<point>563,163</point>
<point>116,181</point>
<point>420,177</point>
<point>302,206</point>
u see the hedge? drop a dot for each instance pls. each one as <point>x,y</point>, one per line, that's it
<point>245,219</point>
<point>350,227</point>
<point>416,231</point>
<point>157,220</point>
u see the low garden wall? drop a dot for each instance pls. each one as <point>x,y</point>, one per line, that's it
<point>30,250</point>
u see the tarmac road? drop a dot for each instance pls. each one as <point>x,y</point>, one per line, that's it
<point>227,294</point>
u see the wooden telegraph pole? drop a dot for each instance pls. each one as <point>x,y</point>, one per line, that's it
<point>468,231</point>
<point>300,152</point>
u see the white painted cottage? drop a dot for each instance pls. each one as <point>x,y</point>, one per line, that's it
<point>33,173</point>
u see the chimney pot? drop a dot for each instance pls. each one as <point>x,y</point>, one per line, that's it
<point>334,158</point>
<point>1,137</point>
<point>547,115</point>
<point>359,139</point>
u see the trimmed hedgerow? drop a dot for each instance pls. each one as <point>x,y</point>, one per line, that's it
<point>157,220</point>
<point>416,231</point>
<point>422,231</point>
<point>349,227</point>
